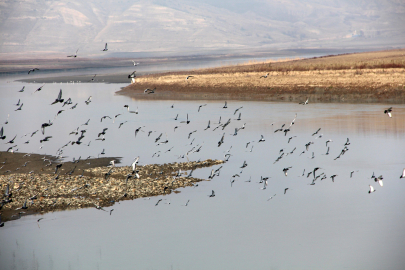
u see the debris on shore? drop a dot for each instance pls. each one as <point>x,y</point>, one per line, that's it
<point>31,193</point>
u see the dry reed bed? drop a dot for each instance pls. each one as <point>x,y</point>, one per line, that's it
<point>362,77</point>
<point>374,78</point>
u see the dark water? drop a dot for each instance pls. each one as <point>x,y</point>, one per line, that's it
<point>323,226</point>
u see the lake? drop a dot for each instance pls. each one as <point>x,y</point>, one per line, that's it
<point>328,225</point>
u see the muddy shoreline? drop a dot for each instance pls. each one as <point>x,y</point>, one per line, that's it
<point>86,183</point>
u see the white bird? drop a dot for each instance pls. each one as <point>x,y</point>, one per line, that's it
<point>134,163</point>
<point>371,189</point>
<point>135,64</point>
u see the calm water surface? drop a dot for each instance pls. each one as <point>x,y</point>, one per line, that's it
<point>323,226</point>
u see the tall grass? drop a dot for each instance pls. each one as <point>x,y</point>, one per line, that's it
<point>358,61</point>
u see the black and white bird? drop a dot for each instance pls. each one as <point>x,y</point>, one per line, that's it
<point>135,64</point>
<point>149,91</point>
<point>22,89</point>
<point>304,102</point>
<point>371,189</point>
<point>262,139</point>
<point>226,105</point>
<point>188,77</point>
<point>388,111</point>
<point>132,75</point>
<point>212,194</point>
<point>285,170</point>
<point>88,100</point>
<point>379,180</point>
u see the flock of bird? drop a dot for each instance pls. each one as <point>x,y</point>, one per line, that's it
<point>286,129</point>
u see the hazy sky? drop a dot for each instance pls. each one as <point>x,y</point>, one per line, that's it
<point>197,26</point>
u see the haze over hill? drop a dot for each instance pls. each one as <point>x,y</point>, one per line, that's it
<point>193,27</point>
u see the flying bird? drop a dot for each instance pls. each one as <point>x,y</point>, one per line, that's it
<point>59,98</point>
<point>261,139</point>
<point>304,102</point>
<point>40,88</point>
<point>285,170</point>
<point>132,75</point>
<point>74,55</point>
<point>199,107</point>
<point>19,108</point>
<point>32,70</point>
<point>2,137</point>
<point>316,132</point>
<point>403,174</point>
<point>88,100</point>
<point>388,111</point>
<point>105,48</point>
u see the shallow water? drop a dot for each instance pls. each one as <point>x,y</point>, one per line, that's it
<point>323,226</point>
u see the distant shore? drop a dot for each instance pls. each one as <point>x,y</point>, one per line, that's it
<point>372,77</point>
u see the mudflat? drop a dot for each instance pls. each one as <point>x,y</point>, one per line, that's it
<point>377,77</point>
<point>32,183</point>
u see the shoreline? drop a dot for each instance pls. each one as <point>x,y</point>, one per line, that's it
<point>376,77</point>
<point>86,183</point>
